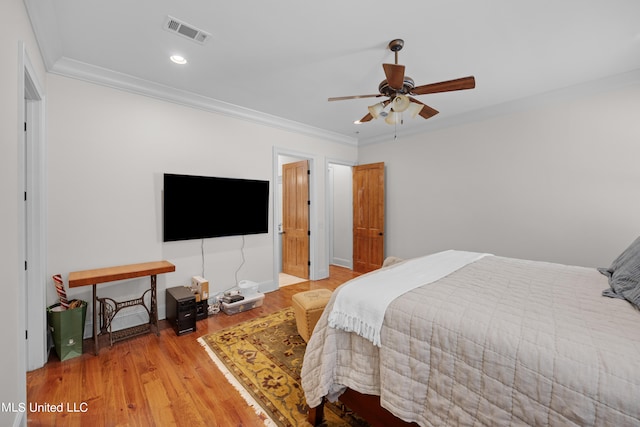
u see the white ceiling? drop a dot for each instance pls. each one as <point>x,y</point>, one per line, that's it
<point>278,61</point>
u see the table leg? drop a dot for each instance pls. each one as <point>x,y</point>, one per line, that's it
<point>95,321</point>
<point>154,304</point>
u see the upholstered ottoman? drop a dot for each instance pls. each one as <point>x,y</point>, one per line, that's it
<point>308,307</point>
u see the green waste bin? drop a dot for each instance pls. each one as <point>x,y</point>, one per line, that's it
<point>67,329</point>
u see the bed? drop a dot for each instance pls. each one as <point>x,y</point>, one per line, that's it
<point>498,341</point>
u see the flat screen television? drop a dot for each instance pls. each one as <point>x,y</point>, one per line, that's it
<point>198,207</point>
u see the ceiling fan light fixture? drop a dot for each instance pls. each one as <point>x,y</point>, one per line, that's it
<point>400,91</point>
<point>392,118</point>
<point>376,109</point>
<point>401,103</point>
<point>414,109</point>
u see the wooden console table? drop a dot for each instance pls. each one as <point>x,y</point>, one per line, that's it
<point>121,272</point>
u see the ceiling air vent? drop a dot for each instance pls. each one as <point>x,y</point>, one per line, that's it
<point>186,30</point>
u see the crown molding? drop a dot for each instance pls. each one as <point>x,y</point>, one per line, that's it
<point>44,23</point>
<point>90,73</point>
<point>569,93</point>
<point>45,27</point>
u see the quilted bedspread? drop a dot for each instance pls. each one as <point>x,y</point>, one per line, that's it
<point>500,342</point>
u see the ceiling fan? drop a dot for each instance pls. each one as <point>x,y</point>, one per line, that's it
<point>400,89</point>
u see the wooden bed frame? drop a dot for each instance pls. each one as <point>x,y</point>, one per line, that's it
<point>365,405</point>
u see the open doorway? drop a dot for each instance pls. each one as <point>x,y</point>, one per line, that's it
<point>355,215</point>
<point>293,219</point>
<point>294,227</point>
<point>340,214</point>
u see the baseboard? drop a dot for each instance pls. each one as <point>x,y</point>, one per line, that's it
<point>137,315</point>
<point>341,262</point>
<point>133,316</point>
<point>267,286</point>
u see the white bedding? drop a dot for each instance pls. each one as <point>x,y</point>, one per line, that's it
<point>361,304</point>
<point>499,342</point>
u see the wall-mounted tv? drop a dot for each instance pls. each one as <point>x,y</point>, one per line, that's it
<point>198,207</point>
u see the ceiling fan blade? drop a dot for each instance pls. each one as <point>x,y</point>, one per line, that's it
<point>426,112</point>
<point>366,118</point>
<point>342,98</point>
<point>446,86</point>
<point>395,75</point>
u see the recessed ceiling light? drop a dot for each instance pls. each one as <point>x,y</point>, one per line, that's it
<point>178,59</point>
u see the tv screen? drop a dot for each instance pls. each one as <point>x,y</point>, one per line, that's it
<point>198,207</point>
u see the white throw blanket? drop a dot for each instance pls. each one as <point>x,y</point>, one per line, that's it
<point>360,305</point>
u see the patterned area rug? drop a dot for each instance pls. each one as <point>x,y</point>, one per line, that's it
<point>262,358</point>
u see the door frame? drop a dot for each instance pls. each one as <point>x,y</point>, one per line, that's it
<point>277,212</point>
<point>329,207</point>
<point>31,109</point>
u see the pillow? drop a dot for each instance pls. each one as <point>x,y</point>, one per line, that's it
<point>389,261</point>
<point>624,275</point>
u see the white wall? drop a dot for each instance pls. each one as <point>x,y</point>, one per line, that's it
<point>15,30</point>
<point>556,183</point>
<point>107,152</point>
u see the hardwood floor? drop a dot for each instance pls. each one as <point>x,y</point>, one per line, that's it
<point>152,381</point>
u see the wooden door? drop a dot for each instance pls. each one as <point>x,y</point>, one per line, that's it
<point>368,217</point>
<point>295,219</point>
